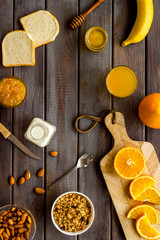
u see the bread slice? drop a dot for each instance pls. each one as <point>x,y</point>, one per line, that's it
<point>18,49</point>
<point>42,26</point>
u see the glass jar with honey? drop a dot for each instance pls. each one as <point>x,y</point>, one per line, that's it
<point>13,91</point>
<point>96,38</point>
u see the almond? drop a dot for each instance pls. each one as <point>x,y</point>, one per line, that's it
<point>53,153</point>
<point>10,222</point>
<point>26,235</point>
<point>19,225</point>
<point>21,181</point>
<point>22,237</point>
<point>3,213</point>
<point>11,180</point>
<point>23,218</point>
<point>28,225</point>
<point>12,232</point>
<point>9,214</point>
<point>13,209</point>
<point>27,175</point>
<point>11,227</point>
<point>5,225</point>
<point>5,235</point>
<point>8,232</point>
<point>40,173</point>
<point>22,230</point>
<point>39,191</point>
<point>1,230</point>
<point>19,213</point>
<point>29,219</point>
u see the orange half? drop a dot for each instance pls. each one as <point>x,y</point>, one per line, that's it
<point>150,195</point>
<point>145,229</point>
<point>138,185</point>
<point>150,212</point>
<point>129,163</point>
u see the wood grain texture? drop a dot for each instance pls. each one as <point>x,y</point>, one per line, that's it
<point>5,114</point>
<point>132,56</point>
<point>61,106</point>
<point>23,115</point>
<point>153,69</point>
<point>93,99</point>
<point>117,186</point>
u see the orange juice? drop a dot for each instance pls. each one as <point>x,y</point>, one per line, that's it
<point>121,81</point>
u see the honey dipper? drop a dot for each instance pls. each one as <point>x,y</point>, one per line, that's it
<point>77,21</point>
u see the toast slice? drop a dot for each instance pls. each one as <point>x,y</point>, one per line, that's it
<point>18,49</point>
<point>42,26</point>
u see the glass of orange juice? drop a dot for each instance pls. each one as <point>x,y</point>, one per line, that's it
<point>121,81</point>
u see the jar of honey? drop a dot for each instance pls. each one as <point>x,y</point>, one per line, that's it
<point>96,38</point>
<point>13,91</point>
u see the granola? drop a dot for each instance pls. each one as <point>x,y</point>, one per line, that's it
<point>72,212</point>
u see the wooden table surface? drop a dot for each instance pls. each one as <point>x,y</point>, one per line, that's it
<point>69,80</point>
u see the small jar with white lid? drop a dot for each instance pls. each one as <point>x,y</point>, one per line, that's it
<point>40,132</point>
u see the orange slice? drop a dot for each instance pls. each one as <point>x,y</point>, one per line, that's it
<point>150,212</point>
<point>150,195</point>
<point>145,229</point>
<point>129,163</point>
<point>139,184</point>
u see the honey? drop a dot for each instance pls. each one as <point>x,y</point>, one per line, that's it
<point>121,81</point>
<point>12,92</point>
<point>96,38</point>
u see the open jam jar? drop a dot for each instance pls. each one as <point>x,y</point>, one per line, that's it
<point>13,92</point>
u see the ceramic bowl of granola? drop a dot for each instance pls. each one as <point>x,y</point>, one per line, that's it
<point>72,213</point>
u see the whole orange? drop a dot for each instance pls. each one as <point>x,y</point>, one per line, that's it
<point>149,110</point>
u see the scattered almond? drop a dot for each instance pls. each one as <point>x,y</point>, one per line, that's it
<point>40,173</point>
<point>27,175</point>
<point>21,181</point>
<point>53,153</point>
<point>39,191</point>
<point>11,180</point>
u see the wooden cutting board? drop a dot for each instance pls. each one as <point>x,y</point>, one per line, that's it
<point>118,187</point>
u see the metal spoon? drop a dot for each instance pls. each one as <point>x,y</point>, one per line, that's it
<point>83,161</point>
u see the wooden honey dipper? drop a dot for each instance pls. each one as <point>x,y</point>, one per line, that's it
<point>77,21</point>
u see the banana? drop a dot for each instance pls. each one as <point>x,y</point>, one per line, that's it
<point>143,22</point>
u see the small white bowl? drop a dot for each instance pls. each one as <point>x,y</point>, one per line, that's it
<point>78,232</point>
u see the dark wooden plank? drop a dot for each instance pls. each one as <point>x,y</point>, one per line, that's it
<point>6,9</point>
<point>61,106</point>
<point>153,70</point>
<point>33,107</point>
<point>132,56</point>
<point>93,99</point>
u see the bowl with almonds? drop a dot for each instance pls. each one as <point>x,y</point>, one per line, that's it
<point>16,222</point>
<point>72,213</point>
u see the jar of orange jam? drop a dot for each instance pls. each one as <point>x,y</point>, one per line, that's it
<point>13,92</point>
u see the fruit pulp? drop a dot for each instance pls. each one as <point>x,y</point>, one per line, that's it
<point>121,81</point>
